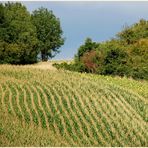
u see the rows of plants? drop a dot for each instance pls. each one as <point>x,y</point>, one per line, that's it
<point>83,110</point>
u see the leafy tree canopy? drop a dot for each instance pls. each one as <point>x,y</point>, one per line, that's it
<point>49,32</point>
<point>131,34</point>
<point>86,47</point>
<point>17,35</point>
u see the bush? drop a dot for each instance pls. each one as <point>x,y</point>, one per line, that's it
<point>16,53</point>
<point>126,55</point>
<point>89,59</point>
<point>72,67</point>
<point>115,62</point>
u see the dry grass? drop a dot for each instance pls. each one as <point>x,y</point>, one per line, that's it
<point>42,106</point>
<point>41,65</point>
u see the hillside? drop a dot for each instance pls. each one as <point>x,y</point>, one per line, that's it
<point>60,108</point>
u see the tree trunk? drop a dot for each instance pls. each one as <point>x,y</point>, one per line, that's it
<point>44,56</point>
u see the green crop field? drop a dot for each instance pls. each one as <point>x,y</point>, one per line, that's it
<point>43,107</point>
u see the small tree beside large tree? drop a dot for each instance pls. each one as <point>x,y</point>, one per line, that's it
<point>23,36</point>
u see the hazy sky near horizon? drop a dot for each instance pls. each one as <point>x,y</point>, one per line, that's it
<point>97,20</point>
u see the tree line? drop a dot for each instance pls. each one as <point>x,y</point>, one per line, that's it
<point>25,36</point>
<point>125,55</point>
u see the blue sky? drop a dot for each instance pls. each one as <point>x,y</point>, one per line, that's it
<point>97,20</point>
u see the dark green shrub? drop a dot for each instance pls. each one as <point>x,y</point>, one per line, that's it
<point>72,67</point>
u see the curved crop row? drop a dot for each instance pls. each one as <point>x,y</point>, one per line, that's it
<point>85,112</point>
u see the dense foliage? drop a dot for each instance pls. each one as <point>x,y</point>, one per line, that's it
<point>125,55</point>
<point>88,46</point>
<point>19,34</point>
<point>49,32</point>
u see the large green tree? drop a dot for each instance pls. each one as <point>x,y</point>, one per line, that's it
<point>49,32</point>
<point>18,38</point>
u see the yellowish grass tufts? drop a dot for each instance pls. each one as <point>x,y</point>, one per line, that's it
<point>42,106</point>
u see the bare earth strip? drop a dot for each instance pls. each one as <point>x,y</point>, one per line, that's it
<point>90,100</point>
<point>72,115</point>
<point>18,102</point>
<point>33,104</point>
<point>119,115</point>
<point>62,117</point>
<point>41,86</point>
<point>40,106</point>
<point>10,100</point>
<point>57,112</point>
<point>125,113</point>
<point>2,96</point>
<point>129,113</point>
<point>82,104</point>
<point>105,109</point>
<point>26,104</point>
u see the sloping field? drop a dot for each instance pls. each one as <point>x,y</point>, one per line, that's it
<point>58,108</point>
